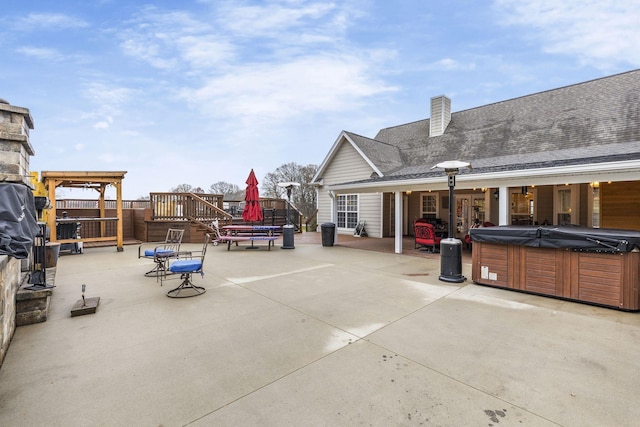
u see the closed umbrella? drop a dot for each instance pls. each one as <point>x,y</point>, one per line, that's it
<point>252,210</point>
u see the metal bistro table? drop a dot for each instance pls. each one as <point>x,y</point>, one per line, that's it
<point>238,233</point>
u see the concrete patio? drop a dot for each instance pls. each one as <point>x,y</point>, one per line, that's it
<point>316,336</point>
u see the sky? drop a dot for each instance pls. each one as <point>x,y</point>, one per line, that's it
<point>201,91</point>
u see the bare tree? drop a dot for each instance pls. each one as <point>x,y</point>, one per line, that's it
<point>187,188</point>
<point>228,190</point>
<point>303,197</point>
<point>182,188</point>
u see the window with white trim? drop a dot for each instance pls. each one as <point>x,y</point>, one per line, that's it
<point>347,210</point>
<point>429,206</point>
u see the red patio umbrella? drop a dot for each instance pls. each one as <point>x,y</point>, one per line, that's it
<point>252,210</point>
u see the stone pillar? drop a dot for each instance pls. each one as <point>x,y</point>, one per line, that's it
<point>15,148</point>
<point>9,284</point>
<point>15,152</point>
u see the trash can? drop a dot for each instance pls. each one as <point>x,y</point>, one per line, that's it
<point>451,261</point>
<point>328,233</point>
<point>287,237</point>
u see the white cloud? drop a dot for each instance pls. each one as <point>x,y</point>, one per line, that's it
<point>41,53</point>
<point>48,21</point>
<point>273,19</point>
<point>450,65</point>
<point>107,103</point>
<point>205,52</point>
<point>327,83</point>
<point>103,124</point>
<point>104,94</point>
<point>602,33</point>
<point>161,38</point>
<point>79,147</point>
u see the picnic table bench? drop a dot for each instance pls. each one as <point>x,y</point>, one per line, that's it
<point>250,233</point>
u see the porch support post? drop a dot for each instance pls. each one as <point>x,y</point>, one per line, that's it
<point>503,206</point>
<point>119,225</point>
<point>398,222</point>
<point>334,213</point>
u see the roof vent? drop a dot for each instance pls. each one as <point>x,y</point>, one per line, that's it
<point>440,115</point>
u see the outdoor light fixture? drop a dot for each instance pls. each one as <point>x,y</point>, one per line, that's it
<point>288,230</point>
<point>451,248</point>
<point>496,194</point>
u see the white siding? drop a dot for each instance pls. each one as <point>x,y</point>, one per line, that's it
<point>371,211</point>
<point>347,165</point>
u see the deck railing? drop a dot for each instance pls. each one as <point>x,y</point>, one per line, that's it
<point>93,204</point>
<point>184,206</point>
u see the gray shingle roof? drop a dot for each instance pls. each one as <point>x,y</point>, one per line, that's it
<point>592,121</point>
<point>385,156</point>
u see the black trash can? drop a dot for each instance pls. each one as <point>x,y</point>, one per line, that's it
<point>328,233</point>
<point>451,261</point>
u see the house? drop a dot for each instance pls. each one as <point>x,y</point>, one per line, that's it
<point>563,156</point>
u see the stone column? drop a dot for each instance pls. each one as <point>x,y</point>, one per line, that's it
<point>15,148</point>
<point>15,151</point>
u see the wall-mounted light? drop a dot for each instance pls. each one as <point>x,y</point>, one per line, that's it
<point>408,193</point>
<point>496,194</point>
<point>524,190</point>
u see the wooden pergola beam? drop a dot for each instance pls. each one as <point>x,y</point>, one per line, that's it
<point>97,180</point>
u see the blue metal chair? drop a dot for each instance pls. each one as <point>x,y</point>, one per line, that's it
<point>162,252</point>
<point>187,267</point>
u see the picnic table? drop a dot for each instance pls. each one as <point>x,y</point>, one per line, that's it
<point>250,233</point>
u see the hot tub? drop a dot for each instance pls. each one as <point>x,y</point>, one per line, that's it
<point>596,266</point>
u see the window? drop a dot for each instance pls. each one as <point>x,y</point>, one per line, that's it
<point>564,206</point>
<point>429,206</point>
<point>347,210</point>
<point>595,204</point>
<point>523,210</point>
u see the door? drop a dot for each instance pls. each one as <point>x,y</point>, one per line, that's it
<point>470,209</point>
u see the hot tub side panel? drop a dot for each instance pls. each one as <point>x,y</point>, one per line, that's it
<point>608,279</point>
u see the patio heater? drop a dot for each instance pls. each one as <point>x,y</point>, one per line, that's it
<point>288,229</point>
<point>451,248</point>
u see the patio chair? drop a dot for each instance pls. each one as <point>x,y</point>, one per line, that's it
<point>217,235</point>
<point>425,236</point>
<point>162,251</point>
<point>467,237</point>
<point>186,268</point>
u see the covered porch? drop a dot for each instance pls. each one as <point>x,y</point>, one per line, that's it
<point>587,199</point>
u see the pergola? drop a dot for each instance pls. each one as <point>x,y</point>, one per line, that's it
<point>86,180</point>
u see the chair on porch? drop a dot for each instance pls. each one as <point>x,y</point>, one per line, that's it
<point>467,237</point>
<point>425,236</point>
<point>186,268</point>
<point>162,252</point>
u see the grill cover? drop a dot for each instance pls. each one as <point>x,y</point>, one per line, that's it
<point>18,225</point>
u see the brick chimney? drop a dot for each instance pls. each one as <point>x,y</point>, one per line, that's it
<point>15,148</point>
<point>440,115</point>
